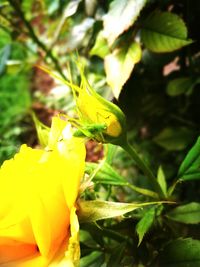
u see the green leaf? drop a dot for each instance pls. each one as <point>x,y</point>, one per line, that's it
<point>164,32</point>
<point>191,163</point>
<point>94,210</point>
<point>121,15</point>
<point>181,253</point>
<point>119,65</point>
<point>162,181</point>
<point>189,213</point>
<point>94,259</point>
<point>145,223</point>
<point>173,139</point>
<point>181,86</point>
<point>100,47</point>
<point>191,176</point>
<point>106,174</point>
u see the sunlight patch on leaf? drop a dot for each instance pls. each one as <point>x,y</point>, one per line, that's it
<point>119,65</point>
<point>121,15</point>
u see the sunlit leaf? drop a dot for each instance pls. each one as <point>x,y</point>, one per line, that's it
<point>94,210</point>
<point>164,32</point>
<point>119,65</point>
<point>100,47</point>
<point>145,223</point>
<point>121,15</point>
<point>181,253</point>
<point>189,213</point>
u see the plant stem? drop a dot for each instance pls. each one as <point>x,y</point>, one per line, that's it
<point>142,166</point>
<point>34,37</point>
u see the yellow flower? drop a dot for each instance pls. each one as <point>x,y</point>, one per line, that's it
<point>38,190</point>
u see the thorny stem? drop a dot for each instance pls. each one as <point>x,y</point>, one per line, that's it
<point>34,37</point>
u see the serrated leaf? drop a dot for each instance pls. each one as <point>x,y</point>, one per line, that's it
<point>191,162</point>
<point>189,213</point>
<point>162,181</point>
<point>180,86</point>
<point>100,47</point>
<point>94,210</point>
<point>145,223</point>
<point>121,15</point>
<point>181,253</point>
<point>164,32</point>
<point>119,65</point>
<point>174,139</point>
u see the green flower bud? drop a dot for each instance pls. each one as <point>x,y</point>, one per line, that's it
<point>104,120</point>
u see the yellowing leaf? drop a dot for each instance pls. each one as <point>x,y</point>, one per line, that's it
<point>119,65</point>
<point>94,210</point>
<point>122,14</point>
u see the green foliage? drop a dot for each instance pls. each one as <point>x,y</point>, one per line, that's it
<point>183,85</point>
<point>189,213</point>
<point>145,223</point>
<point>162,181</point>
<point>164,32</point>
<point>146,55</point>
<point>181,253</point>
<point>106,174</point>
<point>14,102</point>
<point>189,168</point>
<point>94,259</point>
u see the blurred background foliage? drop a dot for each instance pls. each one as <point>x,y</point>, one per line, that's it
<point>142,55</point>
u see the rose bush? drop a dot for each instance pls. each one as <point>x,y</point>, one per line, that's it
<point>38,190</point>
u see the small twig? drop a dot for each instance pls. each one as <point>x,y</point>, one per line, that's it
<point>35,38</point>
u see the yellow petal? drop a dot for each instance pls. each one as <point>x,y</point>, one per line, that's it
<point>12,250</point>
<point>14,176</point>
<point>48,210</point>
<point>71,256</point>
